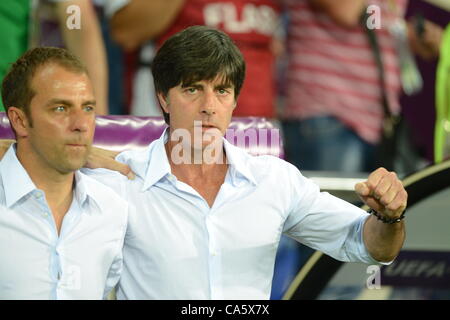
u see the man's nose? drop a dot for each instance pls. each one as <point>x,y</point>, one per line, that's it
<point>81,121</point>
<point>209,103</point>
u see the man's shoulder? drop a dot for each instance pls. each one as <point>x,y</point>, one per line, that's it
<point>141,154</point>
<point>104,177</point>
<point>138,159</point>
<point>109,198</point>
<point>104,183</point>
<point>265,166</point>
<point>261,160</point>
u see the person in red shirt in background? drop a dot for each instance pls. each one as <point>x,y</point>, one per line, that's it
<point>252,24</point>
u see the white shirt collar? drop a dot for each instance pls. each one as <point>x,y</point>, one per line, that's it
<point>18,184</point>
<point>16,181</point>
<point>158,163</point>
<point>86,193</point>
<point>238,160</point>
<point>159,167</point>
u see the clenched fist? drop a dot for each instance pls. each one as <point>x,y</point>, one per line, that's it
<point>384,193</point>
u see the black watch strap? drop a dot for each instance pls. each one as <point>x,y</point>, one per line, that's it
<point>384,219</point>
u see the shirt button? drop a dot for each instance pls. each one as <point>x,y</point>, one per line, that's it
<point>45,214</point>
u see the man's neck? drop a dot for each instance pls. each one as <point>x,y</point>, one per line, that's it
<point>205,176</point>
<point>199,163</point>
<point>57,186</point>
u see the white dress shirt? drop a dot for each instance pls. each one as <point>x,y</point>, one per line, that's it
<point>82,262</point>
<point>177,247</point>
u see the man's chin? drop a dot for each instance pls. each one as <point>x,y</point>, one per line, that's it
<point>73,165</point>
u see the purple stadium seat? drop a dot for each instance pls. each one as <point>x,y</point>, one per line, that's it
<point>258,135</point>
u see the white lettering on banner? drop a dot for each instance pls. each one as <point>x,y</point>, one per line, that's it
<point>262,19</point>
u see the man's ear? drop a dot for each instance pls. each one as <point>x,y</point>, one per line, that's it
<point>19,121</point>
<point>164,102</point>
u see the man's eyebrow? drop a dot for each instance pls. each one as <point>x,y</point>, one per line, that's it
<point>60,101</point>
<point>224,86</point>
<point>69,103</point>
<point>199,85</point>
<point>89,102</point>
<point>192,84</point>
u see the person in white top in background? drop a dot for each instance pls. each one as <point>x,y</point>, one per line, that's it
<point>63,235</point>
<point>206,218</point>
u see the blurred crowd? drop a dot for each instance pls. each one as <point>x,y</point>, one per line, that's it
<point>310,64</point>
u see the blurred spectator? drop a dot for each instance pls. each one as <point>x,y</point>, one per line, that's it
<point>20,30</point>
<point>334,112</point>
<point>115,58</point>
<point>252,24</point>
<point>333,109</point>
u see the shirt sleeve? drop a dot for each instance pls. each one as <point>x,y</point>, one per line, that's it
<point>325,222</point>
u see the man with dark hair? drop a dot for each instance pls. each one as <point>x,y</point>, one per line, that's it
<point>206,217</point>
<point>63,236</point>
<point>217,56</point>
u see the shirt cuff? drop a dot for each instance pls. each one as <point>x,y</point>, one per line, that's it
<point>356,249</point>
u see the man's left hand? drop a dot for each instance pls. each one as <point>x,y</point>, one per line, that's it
<point>384,193</point>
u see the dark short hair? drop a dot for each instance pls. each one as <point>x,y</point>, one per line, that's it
<point>16,86</point>
<point>194,54</point>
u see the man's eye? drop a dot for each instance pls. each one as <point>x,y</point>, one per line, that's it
<point>89,108</point>
<point>60,108</point>
<point>223,91</point>
<point>191,90</point>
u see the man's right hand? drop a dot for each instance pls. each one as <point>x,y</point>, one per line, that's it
<point>4,146</point>
<point>102,158</point>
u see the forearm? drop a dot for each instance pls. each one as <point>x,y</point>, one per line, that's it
<point>142,20</point>
<point>87,44</point>
<point>383,241</point>
<point>346,13</point>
